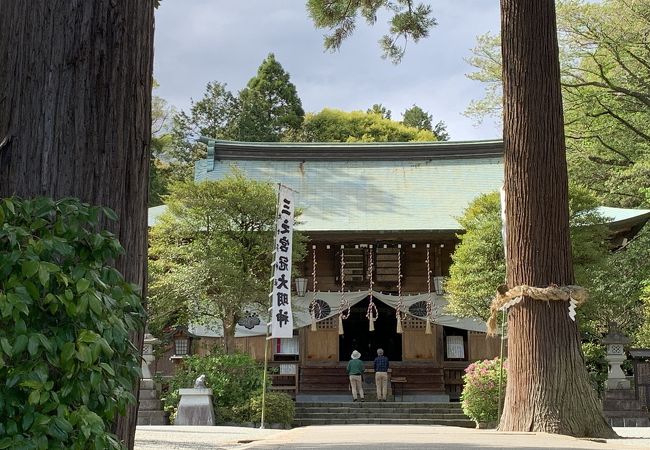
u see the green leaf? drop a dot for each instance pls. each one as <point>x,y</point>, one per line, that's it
<point>29,268</point>
<point>88,337</point>
<point>45,342</point>
<point>20,344</point>
<point>82,285</point>
<point>32,346</point>
<point>107,368</point>
<point>10,206</point>
<point>43,274</point>
<point>6,346</point>
<point>6,442</point>
<point>68,351</point>
<point>34,397</point>
<point>28,420</point>
<point>95,304</point>
<point>110,213</point>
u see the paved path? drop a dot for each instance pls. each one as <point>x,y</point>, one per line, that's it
<point>388,437</point>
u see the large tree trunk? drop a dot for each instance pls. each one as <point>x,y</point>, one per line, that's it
<point>75,115</point>
<point>548,388</point>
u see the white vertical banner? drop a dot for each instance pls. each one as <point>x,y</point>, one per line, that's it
<point>281,317</point>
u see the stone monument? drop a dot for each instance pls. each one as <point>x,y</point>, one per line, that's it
<point>195,407</point>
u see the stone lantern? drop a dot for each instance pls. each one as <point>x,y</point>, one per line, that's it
<point>615,342</point>
<point>147,355</point>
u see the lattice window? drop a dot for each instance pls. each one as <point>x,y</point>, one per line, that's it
<point>386,264</point>
<point>328,324</point>
<point>413,323</point>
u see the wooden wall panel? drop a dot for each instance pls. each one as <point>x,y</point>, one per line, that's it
<point>252,345</point>
<point>483,347</point>
<point>322,345</point>
<point>418,346</point>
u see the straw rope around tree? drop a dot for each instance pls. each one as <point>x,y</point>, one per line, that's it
<point>344,304</point>
<point>506,298</point>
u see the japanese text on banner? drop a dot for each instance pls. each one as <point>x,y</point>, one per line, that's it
<point>281,317</point>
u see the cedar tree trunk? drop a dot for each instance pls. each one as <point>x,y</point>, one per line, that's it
<point>75,115</point>
<point>548,388</point>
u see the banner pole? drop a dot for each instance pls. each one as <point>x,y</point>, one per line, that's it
<point>266,339</point>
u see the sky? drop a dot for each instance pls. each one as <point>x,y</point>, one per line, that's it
<point>198,41</point>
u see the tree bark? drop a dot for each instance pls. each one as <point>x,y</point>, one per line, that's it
<point>75,115</point>
<point>548,388</point>
<point>229,325</point>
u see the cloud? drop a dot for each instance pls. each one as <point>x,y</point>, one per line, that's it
<point>198,41</point>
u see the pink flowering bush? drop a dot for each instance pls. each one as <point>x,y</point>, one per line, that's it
<point>480,397</point>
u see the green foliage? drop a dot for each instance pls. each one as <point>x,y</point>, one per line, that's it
<point>408,21</point>
<point>478,263</point>
<point>380,109</point>
<point>617,291</point>
<point>270,106</point>
<point>480,397</point>
<point>416,117</point>
<point>332,125</point>
<point>210,254</point>
<point>234,380</point>
<point>280,408</point>
<point>597,365</point>
<point>213,115</point>
<point>67,366</point>
<point>642,337</point>
<point>605,63</point>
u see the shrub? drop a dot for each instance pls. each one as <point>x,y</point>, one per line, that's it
<point>279,408</point>
<point>597,365</point>
<point>233,378</point>
<point>480,395</point>
<point>67,366</point>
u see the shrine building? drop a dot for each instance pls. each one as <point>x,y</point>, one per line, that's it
<point>381,222</point>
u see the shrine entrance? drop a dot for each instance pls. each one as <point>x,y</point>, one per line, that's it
<point>358,337</point>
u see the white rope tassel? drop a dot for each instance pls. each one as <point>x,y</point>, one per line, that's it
<point>313,323</point>
<point>399,325</point>
<point>340,325</point>
<point>371,327</point>
<point>428,328</point>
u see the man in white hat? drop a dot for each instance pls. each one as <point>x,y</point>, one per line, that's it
<point>355,371</point>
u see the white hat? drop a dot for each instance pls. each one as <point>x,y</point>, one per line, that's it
<point>356,355</point>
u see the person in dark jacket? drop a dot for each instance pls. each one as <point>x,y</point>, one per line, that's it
<point>381,375</point>
<point>355,371</point>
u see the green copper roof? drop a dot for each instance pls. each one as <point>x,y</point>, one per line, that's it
<point>374,187</point>
<point>366,187</point>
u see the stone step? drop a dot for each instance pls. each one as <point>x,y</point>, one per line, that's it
<point>150,405</point>
<point>365,421</point>
<point>622,405</point>
<point>629,422</point>
<point>148,394</point>
<point>152,418</point>
<point>351,404</point>
<point>624,413</point>
<point>382,415</point>
<point>620,394</point>
<point>376,410</point>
